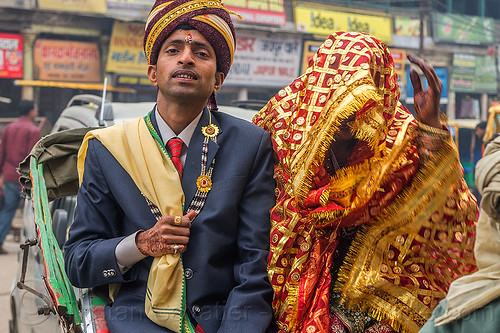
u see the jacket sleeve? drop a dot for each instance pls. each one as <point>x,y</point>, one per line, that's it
<point>248,307</point>
<point>90,249</point>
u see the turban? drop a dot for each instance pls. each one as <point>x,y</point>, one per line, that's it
<point>210,18</point>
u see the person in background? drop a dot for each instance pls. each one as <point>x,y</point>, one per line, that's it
<point>373,218</point>
<point>476,146</point>
<point>184,179</point>
<point>473,301</point>
<point>476,152</point>
<point>16,142</point>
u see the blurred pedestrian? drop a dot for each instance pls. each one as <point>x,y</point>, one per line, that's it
<point>476,146</point>
<point>476,152</point>
<point>473,301</point>
<point>373,219</point>
<point>16,142</point>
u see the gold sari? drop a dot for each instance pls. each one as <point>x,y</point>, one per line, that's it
<point>416,219</point>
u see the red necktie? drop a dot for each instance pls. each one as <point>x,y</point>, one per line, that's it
<point>175,146</point>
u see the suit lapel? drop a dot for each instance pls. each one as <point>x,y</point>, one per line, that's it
<point>192,167</point>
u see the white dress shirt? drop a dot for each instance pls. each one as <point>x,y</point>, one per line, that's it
<point>126,252</point>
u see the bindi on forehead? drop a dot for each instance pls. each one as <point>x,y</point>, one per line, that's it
<point>189,38</point>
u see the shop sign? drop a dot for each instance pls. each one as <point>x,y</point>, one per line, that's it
<point>442,74</point>
<point>59,60</point>
<point>399,57</point>
<point>11,56</point>
<point>405,26</point>
<point>463,29</point>
<point>133,81</point>
<point>497,54</point>
<point>324,20</point>
<point>309,50</point>
<point>16,3</point>
<point>132,9</point>
<point>270,12</point>
<point>486,74</point>
<point>126,55</point>
<point>265,61</point>
<point>462,77</point>
<point>79,6</point>
<point>473,73</point>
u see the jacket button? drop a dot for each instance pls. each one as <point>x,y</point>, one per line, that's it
<point>107,273</point>
<point>196,310</point>
<point>188,273</point>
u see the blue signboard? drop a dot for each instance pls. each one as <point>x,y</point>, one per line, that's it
<point>442,73</point>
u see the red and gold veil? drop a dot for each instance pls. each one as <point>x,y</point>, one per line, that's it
<point>417,219</point>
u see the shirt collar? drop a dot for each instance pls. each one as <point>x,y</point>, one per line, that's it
<point>167,133</point>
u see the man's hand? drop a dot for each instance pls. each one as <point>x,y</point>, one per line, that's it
<point>426,102</point>
<point>166,236</point>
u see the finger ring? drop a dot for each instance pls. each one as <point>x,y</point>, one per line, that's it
<point>176,247</point>
<point>177,220</point>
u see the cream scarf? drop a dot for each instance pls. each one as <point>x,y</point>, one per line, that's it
<point>474,291</point>
<point>133,146</point>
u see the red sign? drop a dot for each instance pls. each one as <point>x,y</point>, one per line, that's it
<point>269,12</point>
<point>11,56</point>
<point>60,60</point>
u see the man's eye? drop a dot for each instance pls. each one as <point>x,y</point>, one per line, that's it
<point>202,53</point>
<point>172,50</point>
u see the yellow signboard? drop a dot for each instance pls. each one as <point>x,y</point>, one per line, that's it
<point>325,20</point>
<point>126,55</point>
<point>308,52</point>
<point>408,27</point>
<point>83,6</point>
<point>399,57</point>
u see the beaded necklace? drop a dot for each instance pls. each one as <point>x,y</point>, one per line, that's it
<point>204,181</point>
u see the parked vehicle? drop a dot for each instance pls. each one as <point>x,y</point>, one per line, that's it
<point>253,104</point>
<point>83,111</point>
<point>30,306</point>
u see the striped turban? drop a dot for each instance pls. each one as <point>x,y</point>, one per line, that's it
<point>210,18</point>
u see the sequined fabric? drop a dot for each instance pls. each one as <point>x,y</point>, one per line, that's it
<point>416,221</point>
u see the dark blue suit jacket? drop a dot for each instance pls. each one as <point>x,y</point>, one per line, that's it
<point>225,263</point>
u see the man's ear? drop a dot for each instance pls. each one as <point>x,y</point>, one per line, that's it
<point>152,74</point>
<point>219,79</point>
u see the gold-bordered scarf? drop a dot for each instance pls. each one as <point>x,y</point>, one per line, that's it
<point>475,291</point>
<point>417,221</point>
<point>154,174</point>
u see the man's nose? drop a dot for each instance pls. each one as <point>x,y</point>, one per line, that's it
<point>187,56</point>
